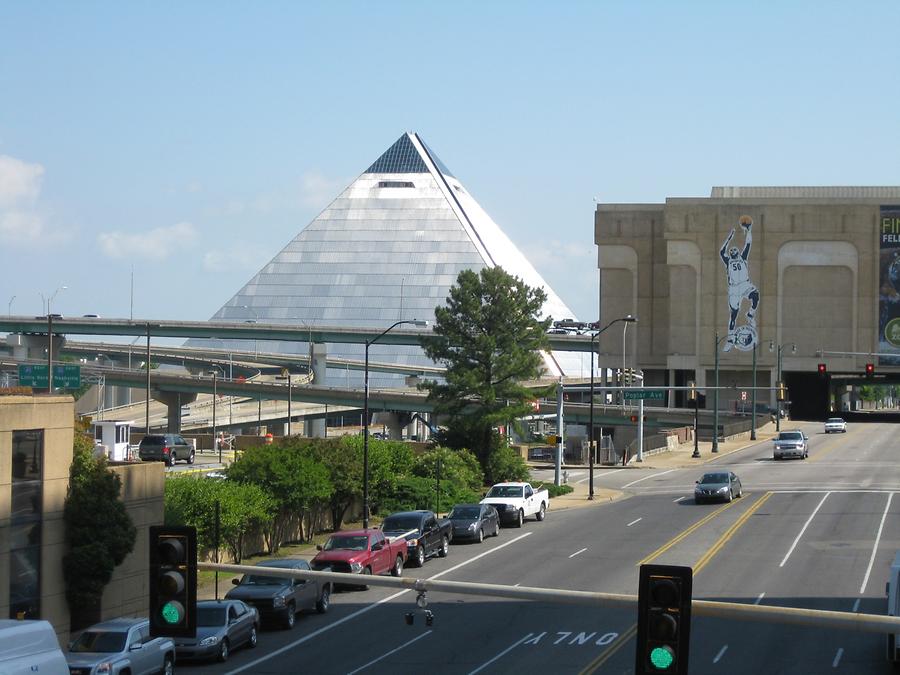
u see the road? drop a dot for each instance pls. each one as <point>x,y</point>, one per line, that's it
<point>819,533</point>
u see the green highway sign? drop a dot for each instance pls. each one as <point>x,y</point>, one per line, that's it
<point>646,394</point>
<point>64,377</point>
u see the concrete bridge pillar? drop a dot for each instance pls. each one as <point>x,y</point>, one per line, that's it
<point>33,346</point>
<point>173,401</point>
<point>317,357</point>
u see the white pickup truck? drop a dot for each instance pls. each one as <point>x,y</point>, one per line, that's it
<point>517,501</point>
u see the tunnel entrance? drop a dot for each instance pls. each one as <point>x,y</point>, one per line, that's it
<point>808,393</point>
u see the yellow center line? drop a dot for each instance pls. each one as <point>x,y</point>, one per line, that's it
<point>715,548</point>
<point>612,649</point>
<point>669,544</point>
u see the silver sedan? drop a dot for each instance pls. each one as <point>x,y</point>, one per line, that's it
<point>718,486</point>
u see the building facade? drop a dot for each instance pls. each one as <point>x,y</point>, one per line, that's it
<point>806,273</point>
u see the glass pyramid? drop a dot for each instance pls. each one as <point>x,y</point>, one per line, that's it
<point>389,247</point>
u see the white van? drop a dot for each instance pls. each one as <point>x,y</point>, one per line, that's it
<point>28,647</point>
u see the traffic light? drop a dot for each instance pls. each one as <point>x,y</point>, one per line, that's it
<point>781,391</point>
<point>823,370</point>
<point>173,581</point>
<point>870,371</point>
<point>664,620</point>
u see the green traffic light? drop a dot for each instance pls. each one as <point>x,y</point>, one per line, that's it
<point>172,612</point>
<point>662,658</point>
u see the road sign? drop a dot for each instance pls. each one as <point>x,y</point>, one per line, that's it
<point>743,395</point>
<point>64,377</point>
<point>646,394</point>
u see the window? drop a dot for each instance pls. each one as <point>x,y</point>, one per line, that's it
<point>396,184</point>
<point>25,524</point>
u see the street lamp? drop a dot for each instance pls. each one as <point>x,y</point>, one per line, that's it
<point>216,444</point>
<point>288,378</point>
<point>412,322</point>
<point>50,338</point>
<point>254,320</point>
<point>778,386</point>
<point>715,441</point>
<point>625,320</point>
<point>692,395</point>
<point>9,307</point>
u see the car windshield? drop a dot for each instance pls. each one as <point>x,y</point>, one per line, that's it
<point>260,580</point>
<point>105,641</point>
<point>346,543</point>
<point>210,616</point>
<point>465,513</point>
<point>835,420</point>
<point>714,478</point>
<point>790,436</point>
<point>505,491</point>
<point>401,523</point>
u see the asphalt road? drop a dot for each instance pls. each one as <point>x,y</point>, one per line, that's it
<point>819,533</point>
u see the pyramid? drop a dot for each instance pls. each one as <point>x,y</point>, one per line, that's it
<point>389,247</point>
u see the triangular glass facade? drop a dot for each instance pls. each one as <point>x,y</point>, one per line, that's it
<point>388,248</point>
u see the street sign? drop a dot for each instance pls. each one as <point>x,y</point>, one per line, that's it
<point>646,394</point>
<point>743,395</point>
<point>64,377</point>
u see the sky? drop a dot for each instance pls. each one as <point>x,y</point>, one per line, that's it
<point>187,143</point>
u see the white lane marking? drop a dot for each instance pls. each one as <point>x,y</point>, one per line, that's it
<point>500,655</point>
<point>577,552</point>
<point>805,525</point>
<point>862,589</point>
<point>365,609</point>
<point>759,599</point>
<point>675,501</point>
<point>856,605</point>
<point>386,654</point>
<point>634,482</point>
<point>634,521</point>
<point>837,657</point>
<point>721,653</point>
<point>597,475</point>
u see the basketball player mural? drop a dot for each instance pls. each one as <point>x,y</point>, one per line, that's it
<point>737,269</point>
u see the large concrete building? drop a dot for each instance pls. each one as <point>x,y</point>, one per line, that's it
<point>809,270</point>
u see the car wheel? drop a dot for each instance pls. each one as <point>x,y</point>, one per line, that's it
<point>740,492</point>
<point>254,636</point>
<point>291,616</point>
<point>420,556</point>
<point>480,535</point>
<point>542,513</point>
<point>223,651</point>
<point>445,547</point>
<point>730,496</point>
<point>324,600</point>
<point>397,569</point>
<point>190,459</point>
<point>520,518</point>
<point>168,666</point>
<point>497,529</point>
<point>367,571</point>
<point>170,460</point>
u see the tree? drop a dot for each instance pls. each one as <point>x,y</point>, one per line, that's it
<point>489,338</point>
<point>99,532</point>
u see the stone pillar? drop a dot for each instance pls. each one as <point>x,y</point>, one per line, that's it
<point>390,420</point>
<point>173,401</point>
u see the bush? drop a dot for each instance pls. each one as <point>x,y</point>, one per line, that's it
<point>460,467</point>
<point>505,464</point>
<point>416,492</point>
<point>554,490</point>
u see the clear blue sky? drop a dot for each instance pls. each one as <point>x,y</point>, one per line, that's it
<point>196,139</point>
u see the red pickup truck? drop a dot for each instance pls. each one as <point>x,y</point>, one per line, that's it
<point>361,552</point>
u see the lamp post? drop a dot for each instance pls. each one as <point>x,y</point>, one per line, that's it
<point>413,322</point>
<point>9,307</point>
<point>715,441</point>
<point>49,338</point>
<point>255,320</point>
<point>692,395</point>
<point>216,444</point>
<point>753,398</point>
<point>626,320</point>
<point>778,397</point>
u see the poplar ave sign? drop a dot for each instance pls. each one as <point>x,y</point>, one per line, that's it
<point>645,394</point>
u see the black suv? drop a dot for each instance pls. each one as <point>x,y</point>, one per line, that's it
<point>167,448</point>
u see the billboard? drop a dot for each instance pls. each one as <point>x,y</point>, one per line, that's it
<point>889,286</point>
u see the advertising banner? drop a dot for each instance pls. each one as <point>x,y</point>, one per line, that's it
<point>889,286</point>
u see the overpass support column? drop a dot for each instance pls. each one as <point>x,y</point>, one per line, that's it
<point>33,346</point>
<point>393,423</point>
<point>173,401</point>
<point>317,358</point>
<point>671,392</point>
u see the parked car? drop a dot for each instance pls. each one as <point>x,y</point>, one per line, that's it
<point>474,521</point>
<point>30,646</point>
<point>517,501</point>
<point>835,425</point>
<point>361,552</point>
<point>723,485</point>
<point>791,444</point>
<point>168,448</point>
<point>222,625</point>
<point>120,646</point>
<point>280,598</point>
<point>425,534</point>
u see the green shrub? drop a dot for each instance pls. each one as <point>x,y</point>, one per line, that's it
<point>505,464</point>
<point>416,492</point>
<point>554,490</point>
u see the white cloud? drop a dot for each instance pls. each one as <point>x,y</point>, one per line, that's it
<point>156,244</point>
<point>20,187</point>
<point>20,182</point>
<point>318,191</point>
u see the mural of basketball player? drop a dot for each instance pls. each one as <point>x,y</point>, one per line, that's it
<point>737,269</point>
